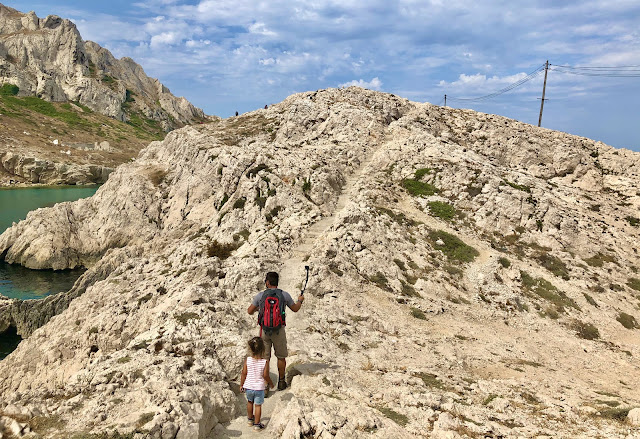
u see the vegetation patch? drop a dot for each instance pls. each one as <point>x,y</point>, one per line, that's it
<point>590,300</point>
<point>184,317</point>
<point>9,90</point>
<point>396,417</point>
<point>635,222</point>
<point>634,283</point>
<point>614,413</point>
<point>627,320</point>
<point>442,210</point>
<point>585,330</point>
<point>554,265</point>
<point>599,259</point>
<point>417,313</point>
<point>520,187</point>
<point>273,213</point>
<point>399,217</point>
<point>453,248</point>
<point>221,251</point>
<point>431,380</point>
<point>381,281</point>
<point>421,173</point>
<point>239,203</point>
<point>506,263</point>
<point>546,290</point>
<point>419,188</point>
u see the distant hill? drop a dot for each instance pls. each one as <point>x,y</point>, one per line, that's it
<point>56,86</point>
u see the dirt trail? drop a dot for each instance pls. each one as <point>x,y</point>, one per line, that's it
<point>292,275</point>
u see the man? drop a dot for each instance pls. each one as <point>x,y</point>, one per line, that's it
<point>279,338</point>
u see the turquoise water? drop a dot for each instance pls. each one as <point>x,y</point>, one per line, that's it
<point>16,203</point>
<point>22,283</point>
<point>19,282</point>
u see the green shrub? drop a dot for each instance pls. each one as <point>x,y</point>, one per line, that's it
<point>554,265</point>
<point>546,290</point>
<point>506,263</point>
<point>634,283</point>
<point>396,417</point>
<point>306,186</point>
<point>627,320</point>
<point>617,414</point>
<point>9,90</point>
<point>381,281</point>
<point>239,204</point>
<point>453,248</point>
<point>635,222</point>
<point>273,213</point>
<point>585,330</point>
<point>220,251</point>
<point>418,188</point>
<point>442,210</point>
<point>590,300</point>
<point>421,173</point>
<point>520,187</point>
<point>599,259</point>
<point>184,317</point>
<point>417,313</point>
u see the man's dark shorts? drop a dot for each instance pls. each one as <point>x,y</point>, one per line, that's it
<point>279,342</point>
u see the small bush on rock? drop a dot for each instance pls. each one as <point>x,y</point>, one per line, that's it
<point>627,320</point>
<point>220,251</point>
<point>453,247</point>
<point>585,330</point>
<point>442,210</point>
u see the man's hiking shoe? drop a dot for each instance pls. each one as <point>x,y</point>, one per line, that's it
<point>250,421</point>
<point>282,384</point>
<point>258,427</point>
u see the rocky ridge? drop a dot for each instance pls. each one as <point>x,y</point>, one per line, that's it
<point>48,58</point>
<point>472,276</point>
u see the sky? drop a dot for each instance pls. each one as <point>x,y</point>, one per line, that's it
<point>238,55</point>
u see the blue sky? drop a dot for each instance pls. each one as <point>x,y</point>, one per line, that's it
<point>228,55</point>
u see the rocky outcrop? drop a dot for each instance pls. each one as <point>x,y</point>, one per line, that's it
<point>47,57</point>
<point>470,276</point>
<point>34,170</point>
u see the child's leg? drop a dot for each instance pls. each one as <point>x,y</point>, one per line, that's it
<point>258,414</point>
<point>250,409</point>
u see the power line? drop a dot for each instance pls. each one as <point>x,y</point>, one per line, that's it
<point>510,87</point>
<point>609,72</point>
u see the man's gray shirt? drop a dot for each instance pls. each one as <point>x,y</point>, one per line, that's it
<point>288,300</point>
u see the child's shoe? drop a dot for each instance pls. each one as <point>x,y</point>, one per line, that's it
<point>258,427</point>
<point>250,421</point>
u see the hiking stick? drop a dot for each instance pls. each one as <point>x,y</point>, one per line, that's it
<point>306,267</point>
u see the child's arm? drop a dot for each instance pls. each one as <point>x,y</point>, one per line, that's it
<point>243,376</point>
<point>266,376</point>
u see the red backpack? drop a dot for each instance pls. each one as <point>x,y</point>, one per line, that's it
<point>272,309</point>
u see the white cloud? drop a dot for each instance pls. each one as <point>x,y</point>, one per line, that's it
<point>165,38</point>
<point>374,84</point>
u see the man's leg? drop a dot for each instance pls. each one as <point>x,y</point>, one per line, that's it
<point>282,367</point>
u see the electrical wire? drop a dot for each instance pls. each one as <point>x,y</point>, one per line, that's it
<point>609,72</point>
<point>506,89</point>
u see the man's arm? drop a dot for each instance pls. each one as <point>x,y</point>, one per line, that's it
<point>296,306</point>
<point>252,309</point>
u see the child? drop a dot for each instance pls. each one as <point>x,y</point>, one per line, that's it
<point>255,376</point>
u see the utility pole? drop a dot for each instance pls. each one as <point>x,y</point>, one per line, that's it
<point>544,88</point>
<point>445,100</point>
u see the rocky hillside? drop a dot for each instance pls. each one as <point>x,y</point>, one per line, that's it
<point>59,87</point>
<point>472,276</point>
